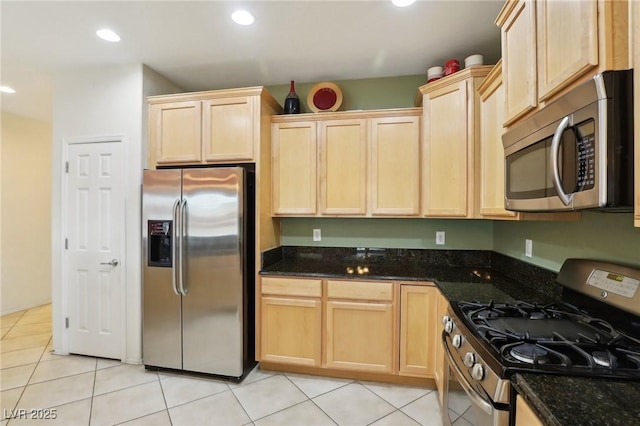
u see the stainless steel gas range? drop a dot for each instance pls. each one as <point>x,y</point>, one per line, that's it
<point>594,331</point>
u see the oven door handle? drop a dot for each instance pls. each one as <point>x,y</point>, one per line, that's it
<point>475,397</point>
<point>566,199</point>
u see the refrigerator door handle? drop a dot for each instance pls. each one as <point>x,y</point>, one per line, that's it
<point>183,234</point>
<point>174,250</point>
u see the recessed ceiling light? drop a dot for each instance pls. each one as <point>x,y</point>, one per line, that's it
<point>242,17</point>
<point>402,3</point>
<point>6,89</point>
<point>108,35</point>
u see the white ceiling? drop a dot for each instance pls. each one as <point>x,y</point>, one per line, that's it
<point>197,46</point>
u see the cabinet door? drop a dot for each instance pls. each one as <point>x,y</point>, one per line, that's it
<point>228,129</point>
<point>417,317</point>
<point>395,166</point>
<point>294,168</point>
<point>360,336</point>
<point>446,166</point>
<point>174,132</point>
<point>525,415</point>
<point>343,167</point>
<point>440,373</point>
<point>291,331</point>
<point>519,60</point>
<point>492,174</point>
<point>567,42</point>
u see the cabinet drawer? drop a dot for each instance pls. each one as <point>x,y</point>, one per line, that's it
<point>292,287</point>
<point>360,290</point>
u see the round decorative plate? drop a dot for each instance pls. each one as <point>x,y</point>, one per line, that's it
<point>324,96</point>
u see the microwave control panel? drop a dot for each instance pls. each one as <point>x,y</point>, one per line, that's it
<point>586,156</point>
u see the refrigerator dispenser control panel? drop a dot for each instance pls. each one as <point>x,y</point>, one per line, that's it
<point>160,243</point>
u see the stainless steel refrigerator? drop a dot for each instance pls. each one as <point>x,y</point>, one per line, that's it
<point>198,270</point>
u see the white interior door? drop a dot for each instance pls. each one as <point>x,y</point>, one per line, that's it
<point>95,232</point>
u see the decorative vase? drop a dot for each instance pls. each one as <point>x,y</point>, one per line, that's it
<point>292,102</point>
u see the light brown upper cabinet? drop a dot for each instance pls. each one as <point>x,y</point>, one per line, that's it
<point>548,47</point>
<point>343,167</point>
<point>228,127</point>
<point>347,163</point>
<point>450,173</point>
<point>294,158</point>
<point>519,57</point>
<point>218,126</point>
<point>491,150</point>
<point>395,166</point>
<point>175,133</point>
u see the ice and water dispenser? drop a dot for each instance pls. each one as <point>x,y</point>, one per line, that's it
<point>160,243</point>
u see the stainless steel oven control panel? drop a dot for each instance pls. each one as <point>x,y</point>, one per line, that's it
<point>469,363</point>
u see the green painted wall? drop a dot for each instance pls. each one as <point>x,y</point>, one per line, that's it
<point>390,233</point>
<point>370,93</point>
<point>603,236</point>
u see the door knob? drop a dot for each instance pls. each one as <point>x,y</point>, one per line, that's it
<point>114,262</point>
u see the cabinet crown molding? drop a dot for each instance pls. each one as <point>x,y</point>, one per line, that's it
<point>341,115</point>
<point>218,94</point>
<point>491,81</point>
<point>509,5</point>
<point>476,71</point>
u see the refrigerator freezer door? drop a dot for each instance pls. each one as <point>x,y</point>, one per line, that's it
<point>213,270</point>
<point>161,337</point>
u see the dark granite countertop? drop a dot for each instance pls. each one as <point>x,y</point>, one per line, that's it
<point>565,401</point>
<point>460,274</point>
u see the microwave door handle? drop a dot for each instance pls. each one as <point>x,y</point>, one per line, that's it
<point>566,199</point>
<point>174,250</point>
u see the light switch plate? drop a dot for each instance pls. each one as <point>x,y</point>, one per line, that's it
<point>317,235</point>
<point>440,238</point>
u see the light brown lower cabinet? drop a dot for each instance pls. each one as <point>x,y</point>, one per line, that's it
<point>385,328</point>
<point>291,331</point>
<point>525,415</point>
<point>417,306</point>
<point>360,336</point>
<point>291,321</point>
<point>440,374</point>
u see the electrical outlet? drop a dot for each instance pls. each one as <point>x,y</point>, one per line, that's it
<point>528,248</point>
<point>317,235</point>
<point>440,238</point>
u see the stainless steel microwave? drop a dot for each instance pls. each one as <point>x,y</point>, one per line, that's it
<point>577,152</point>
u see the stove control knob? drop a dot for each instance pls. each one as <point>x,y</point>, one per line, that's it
<point>457,341</point>
<point>446,319</point>
<point>469,359</point>
<point>448,326</point>
<point>477,372</point>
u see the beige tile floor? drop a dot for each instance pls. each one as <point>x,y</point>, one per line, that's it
<point>82,390</point>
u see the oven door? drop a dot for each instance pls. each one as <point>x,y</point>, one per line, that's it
<point>462,404</point>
